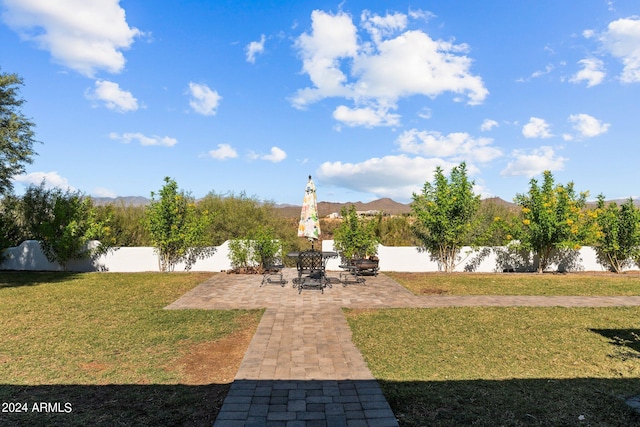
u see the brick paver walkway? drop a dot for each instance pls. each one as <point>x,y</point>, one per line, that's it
<point>301,368</point>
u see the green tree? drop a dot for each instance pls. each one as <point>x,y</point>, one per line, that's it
<point>553,219</point>
<point>11,232</point>
<point>618,238</point>
<point>355,237</point>
<point>16,132</point>
<point>64,223</point>
<point>177,227</point>
<point>444,214</point>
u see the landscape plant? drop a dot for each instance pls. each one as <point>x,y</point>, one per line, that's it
<point>355,237</point>
<point>65,224</point>
<point>127,224</point>
<point>444,215</point>
<point>11,234</point>
<point>16,132</point>
<point>553,219</point>
<point>177,227</point>
<point>241,254</point>
<point>254,251</point>
<point>266,246</point>
<point>618,237</point>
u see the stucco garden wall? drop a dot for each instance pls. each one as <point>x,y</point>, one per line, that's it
<point>29,257</point>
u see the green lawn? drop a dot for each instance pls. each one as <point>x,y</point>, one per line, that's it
<point>504,366</point>
<point>103,343</point>
<point>583,284</point>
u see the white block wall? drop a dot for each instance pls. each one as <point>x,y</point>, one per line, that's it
<point>29,257</point>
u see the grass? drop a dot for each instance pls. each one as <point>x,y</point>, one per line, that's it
<point>504,366</point>
<point>103,343</point>
<point>582,284</point>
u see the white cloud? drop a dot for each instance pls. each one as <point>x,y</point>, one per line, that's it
<point>458,146</point>
<point>536,128</point>
<point>275,155</point>
<point>592,72</point>
<point>223,152</point>
<point>104,192</point>
<point>588,126</point>
<point>390,176</point>
<point>534,162</point>
<point>425,113</point>
<point>367,117</point>
<point>622,40</point>
<point>254,48</point>
<point>203,100</point>
<point>85,36</point>
<point>51,180</point>
<point>488,124</point>
<point>127,138</point>
<point>415,64</point>
<point>114,98</point>
<point>383,26</point>
<point>376,73</point>
<point>332,37</point>
<point>547,70</point>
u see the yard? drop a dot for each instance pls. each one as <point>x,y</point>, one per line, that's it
<point>515,366</point>
<point>99,349</point>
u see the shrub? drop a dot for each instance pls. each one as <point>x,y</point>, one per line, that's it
<point>445,212</point>
<point>618,236</point>
<point>177,227</point>
<point>64,222</point>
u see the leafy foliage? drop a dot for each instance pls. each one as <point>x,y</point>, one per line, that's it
<point>553,218</point>
<point>177,227</point>
<point>65,223</point>
<point>493,224</point>
<point>394,231</point>
<point>11,233</point>
<point>16,132</point>
<point>618,237</point>
<point>267,247</point>
<point>355,237</point>
<point>239,216</point>
<point>240,254</point>
<point>255,250</point>
<point>127,224</point>
<point>444,215</point>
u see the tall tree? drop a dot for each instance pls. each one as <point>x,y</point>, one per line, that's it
<point>444,213</point>
<point>177,227</point>
<point>16,132</point>
<point>618,236</point>
<point>553,218</point>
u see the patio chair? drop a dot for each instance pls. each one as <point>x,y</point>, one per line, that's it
<point>350,273</point>
<point>311,271</point>
<point>272,270</point>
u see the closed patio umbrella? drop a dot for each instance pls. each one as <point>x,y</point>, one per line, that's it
<point>309,223</point>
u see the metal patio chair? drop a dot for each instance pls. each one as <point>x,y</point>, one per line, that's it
<point>311,271</point>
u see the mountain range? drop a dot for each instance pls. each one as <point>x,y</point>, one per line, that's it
<point>385,205</point>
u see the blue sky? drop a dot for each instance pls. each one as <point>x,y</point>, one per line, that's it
<point>366,96</point>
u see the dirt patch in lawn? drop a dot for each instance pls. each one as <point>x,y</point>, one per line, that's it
<point>216,361</point>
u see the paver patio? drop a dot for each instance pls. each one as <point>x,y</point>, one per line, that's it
<point>301,368</point>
